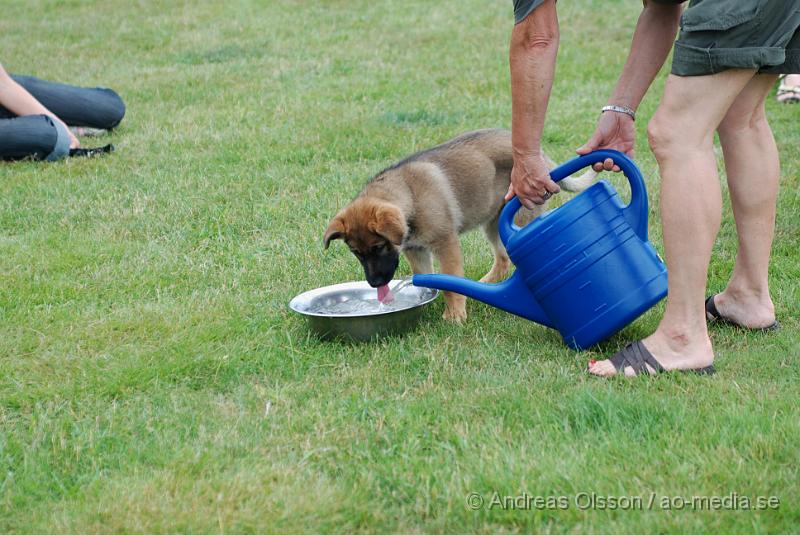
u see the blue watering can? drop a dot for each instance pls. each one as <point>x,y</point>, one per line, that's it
<point>584,268</point>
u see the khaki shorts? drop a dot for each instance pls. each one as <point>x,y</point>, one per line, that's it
<point>717,35</point>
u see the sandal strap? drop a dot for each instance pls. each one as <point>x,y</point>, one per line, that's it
<point>637,357</point>
<point>650,359</point>
<point>711,307</point>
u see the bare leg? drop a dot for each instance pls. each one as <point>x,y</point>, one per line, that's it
<point>753,168</point>
<point>501,262</point>
<point>450,260</point>
<point>682,138</point>
<point>421,260</point>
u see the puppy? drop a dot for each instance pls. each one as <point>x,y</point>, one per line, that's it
<point>420,205</point>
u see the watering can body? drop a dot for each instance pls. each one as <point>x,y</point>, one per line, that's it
<point>585,268</point>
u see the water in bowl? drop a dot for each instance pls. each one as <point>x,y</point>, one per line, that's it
<point>364,307</point>
<point>402,285</point>
<point>386,294</point>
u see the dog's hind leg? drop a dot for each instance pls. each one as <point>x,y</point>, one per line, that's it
<point>420,259</point>
<point>501,263</point>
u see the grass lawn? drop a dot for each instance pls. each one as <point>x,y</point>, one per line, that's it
<point>153,380</point>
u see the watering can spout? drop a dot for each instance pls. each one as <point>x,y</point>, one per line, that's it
<point>511,295</point>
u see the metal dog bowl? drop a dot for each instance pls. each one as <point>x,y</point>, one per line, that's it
<point>320,307</point>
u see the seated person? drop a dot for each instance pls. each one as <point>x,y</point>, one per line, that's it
<point>34,115</point>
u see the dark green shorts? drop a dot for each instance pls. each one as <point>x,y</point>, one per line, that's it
<point>523,8</point>
<point>717,35</point>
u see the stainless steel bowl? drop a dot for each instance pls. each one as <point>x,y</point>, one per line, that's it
<point>360,326</point>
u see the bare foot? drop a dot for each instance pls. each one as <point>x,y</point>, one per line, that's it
<point>674,351</point>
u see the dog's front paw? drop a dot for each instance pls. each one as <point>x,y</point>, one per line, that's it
<point>456,314</point>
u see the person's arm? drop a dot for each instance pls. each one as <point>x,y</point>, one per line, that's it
<point>17,100</point>
<point>652,41</point>
<point>532,57</point>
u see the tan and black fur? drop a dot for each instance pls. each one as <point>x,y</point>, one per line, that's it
<point>420,205</point>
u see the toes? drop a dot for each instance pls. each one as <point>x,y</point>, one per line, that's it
<point>603,368</point>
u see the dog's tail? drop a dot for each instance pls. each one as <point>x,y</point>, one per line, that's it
<point>579,183</point>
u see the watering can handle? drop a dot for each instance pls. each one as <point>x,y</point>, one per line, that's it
<point>635,212</point>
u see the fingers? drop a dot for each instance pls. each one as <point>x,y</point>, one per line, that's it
<point>592,145</point>
<point>589,146</point>
<point>614,131</point>
<point>510,193</point>
<point>529,199</point>
<point>529,196</point>
<point>525,198</point>
<point>606,165</point>
<point>531,182</point>
<point>551,186</point>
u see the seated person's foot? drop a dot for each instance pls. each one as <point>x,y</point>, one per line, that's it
<point>88,131</point>
<point>789,89</point>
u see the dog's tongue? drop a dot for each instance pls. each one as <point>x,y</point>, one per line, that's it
<point>385,294</point>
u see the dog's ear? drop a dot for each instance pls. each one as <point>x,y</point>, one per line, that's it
<point>390,223</point>
<point>335,231</point>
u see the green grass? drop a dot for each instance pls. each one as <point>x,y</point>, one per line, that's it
<point>153,380</point>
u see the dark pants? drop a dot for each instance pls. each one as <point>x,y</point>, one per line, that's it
<point>41,138</point>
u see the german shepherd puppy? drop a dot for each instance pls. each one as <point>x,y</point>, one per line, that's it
<point>420,205</point>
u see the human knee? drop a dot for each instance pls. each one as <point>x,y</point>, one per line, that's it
<point>54,141</point>
<point>33,136</point>
<point>662,134</point>
<point>112,110</point>
<point>61,146</point>
<point>42,135</point>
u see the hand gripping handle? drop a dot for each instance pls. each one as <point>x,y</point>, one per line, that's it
<point>635,212</point>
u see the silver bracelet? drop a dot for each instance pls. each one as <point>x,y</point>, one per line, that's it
<point>620,109</point>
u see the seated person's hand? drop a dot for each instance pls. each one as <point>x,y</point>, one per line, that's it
<point>614,131</point>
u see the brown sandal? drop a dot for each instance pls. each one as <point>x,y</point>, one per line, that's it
<point>638,357</point>
<point>712,314</point>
